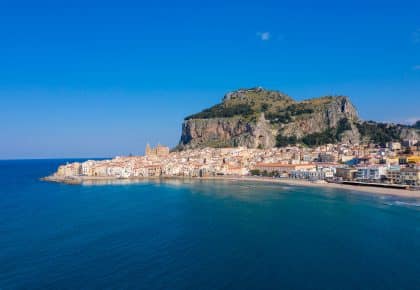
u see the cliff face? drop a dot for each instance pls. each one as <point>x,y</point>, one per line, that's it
<point>259,118</point>
<point>326,113</point>
<point>227,132</point>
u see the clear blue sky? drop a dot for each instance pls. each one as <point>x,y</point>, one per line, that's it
<point>100,78</point>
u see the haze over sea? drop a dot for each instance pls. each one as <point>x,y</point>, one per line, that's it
<point>191,234</point>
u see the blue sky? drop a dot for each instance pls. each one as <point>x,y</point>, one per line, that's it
<point>101,78</point>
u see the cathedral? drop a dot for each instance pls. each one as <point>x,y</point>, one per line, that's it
<point>159,150</point>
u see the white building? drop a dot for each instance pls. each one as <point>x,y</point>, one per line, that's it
<point>370,173</point>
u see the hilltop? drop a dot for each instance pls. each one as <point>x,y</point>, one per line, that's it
<point>260,118</point>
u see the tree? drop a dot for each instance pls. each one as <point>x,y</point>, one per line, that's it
<point>282,141</point>
<point>255,172</point>
<point>264,107</point>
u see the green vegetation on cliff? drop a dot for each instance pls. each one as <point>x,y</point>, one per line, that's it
<point>285,115</point>
<point>223,111</point>
<point>245,103</point>
<point>331,135</point>
<point>379,133</point>
<point>260,118</point>
<point>282,141</point>
<point>278,107</point>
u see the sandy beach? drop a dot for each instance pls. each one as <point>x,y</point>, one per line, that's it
<point>292,182</point>
<point>297,182</point>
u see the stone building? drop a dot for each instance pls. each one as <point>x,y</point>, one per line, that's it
<point>283,168</point>
<point>159,151</point>
<point>346,173</point>
<point>72,169</point>
<point>153,170</point>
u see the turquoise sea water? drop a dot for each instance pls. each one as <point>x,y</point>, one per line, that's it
<point>200,235</point>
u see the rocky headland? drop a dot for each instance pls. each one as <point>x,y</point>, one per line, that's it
<point>260,118</point>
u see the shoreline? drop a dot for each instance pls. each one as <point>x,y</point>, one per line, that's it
<point>299,182</point>
<point>293,182</point>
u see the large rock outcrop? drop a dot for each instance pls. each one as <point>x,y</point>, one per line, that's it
<point>227,132</point>
<point>326,113</point>
<point>259,118</point>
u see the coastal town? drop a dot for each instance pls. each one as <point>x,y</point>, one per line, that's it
<point>263,134</point>
<point>395,165</point>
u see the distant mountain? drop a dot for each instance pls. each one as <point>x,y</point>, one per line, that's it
<point>260,118</point>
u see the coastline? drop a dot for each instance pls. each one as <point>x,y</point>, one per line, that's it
<point>299,182</point>
<point>293,182</point>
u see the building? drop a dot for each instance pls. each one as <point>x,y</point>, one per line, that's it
<point>327,170</point>
<point>346,158</point>
<point>87,167</point>
<point>283,168</point>
<point>159,151</point>
<point>391,161</point>
<point>413,159</point>
<point>100,170</point>
<point>153,170</point>
<point>394,146</point>
<point>72,169</point>
<point>235,170</point>
<point>410,142</point>
<point>308,174</point>
<point>346,173</point>
<point>393,175</point>
<point>411,175</point>
<point>326,157</point>
<point>370,173</point>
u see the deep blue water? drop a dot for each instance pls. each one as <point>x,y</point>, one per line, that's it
<point>200,235</point>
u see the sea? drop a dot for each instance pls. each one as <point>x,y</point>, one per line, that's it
<point>196,234</point>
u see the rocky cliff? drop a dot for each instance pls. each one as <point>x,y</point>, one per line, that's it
<point>259,118</point>
<point>227,132</point>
